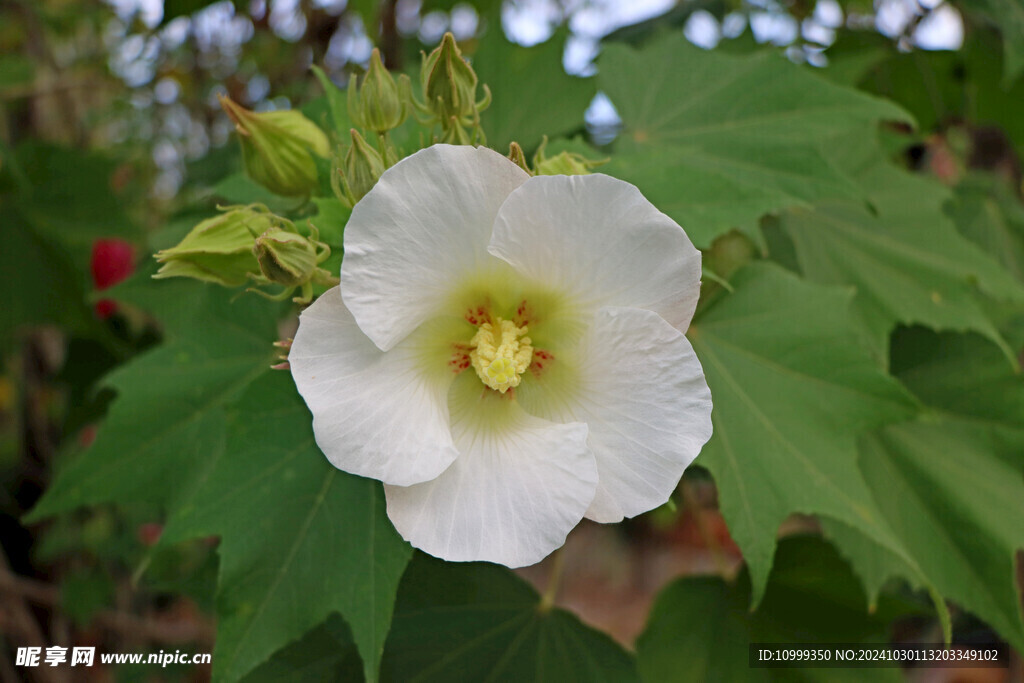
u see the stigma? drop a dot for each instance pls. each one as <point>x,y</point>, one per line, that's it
<point>501,353</point>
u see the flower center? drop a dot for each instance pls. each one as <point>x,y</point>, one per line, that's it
<point>501,352</point>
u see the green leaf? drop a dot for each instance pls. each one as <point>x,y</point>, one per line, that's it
<point>72,199</point>
<point>792,388</point>
<point>178,8</point>
<point>675,17</point>
<point>336,102</point>
<point>330,220</point>
<point>325,653</point>
<point>168,422</point>
<point>987,213</point>
<point>483,7</point>
<point>700,627</point>
<point>950,483</point>
<point>479,622</point>
<point>954,495</point>
<point>942,86</point>
<point>907,262</point>
<point>238,188</point>
<point>716,140</point>
<point>181,8</point>
<point>965,381</point>
<point>854,54</point>
<point>533,96</point>
<point>299,538</point>
<point>41,284</point>
<point>874,564</point>
<point>962,378</point>
<point>1008,17</point>
<point>180,435</point>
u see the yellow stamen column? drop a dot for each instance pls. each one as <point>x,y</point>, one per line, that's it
<point>501,352</point>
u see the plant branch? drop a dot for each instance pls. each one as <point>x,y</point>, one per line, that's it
<point>154,630</point>
<point>24,626</point>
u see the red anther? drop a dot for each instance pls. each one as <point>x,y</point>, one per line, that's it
<point>524,314</point>
<point>478,315</point>
<point>541,359</point>
<point>459,360</point>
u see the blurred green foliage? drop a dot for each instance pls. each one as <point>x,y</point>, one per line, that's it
<point>861,326</point>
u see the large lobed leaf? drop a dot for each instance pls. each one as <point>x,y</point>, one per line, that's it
<point>957,503</point>
<point>903,256</point>
<point>533,96</point>
<point>950,482</point>
<point>987,213</point>
<point>792,388</point>
<point>55,203</point>
<point>72,197</point>
<point>43,283</point>
<point>299,538</point>
<point>479,622</point>
<point>715,140</point>
<point>1008,17</point>
<point>168,423</point>
<point>941,86</point>
<point>700,627</point>
<point>202,427</point>
<point>325,653</point>
<point>962,472</point>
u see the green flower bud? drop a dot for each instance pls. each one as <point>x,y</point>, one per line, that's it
<point>449,83</point>
<point>218,249</point>
<point>363,166</point>
<point>379,103</point>
<point>563,163</point>
<point>729,253</point>
<point>285,258</point>
<point>278,148</point>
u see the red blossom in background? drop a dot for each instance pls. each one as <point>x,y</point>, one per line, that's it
<point>113,260</point>
<point>149,533</point>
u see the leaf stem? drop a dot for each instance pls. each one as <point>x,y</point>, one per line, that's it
<point>547,601</point>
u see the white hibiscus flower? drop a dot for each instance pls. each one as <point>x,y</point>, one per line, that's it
<point>506,354</point>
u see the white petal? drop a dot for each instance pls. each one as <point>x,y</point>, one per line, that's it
<point>513,494</point>
<point>599,240</point>
<point>425,224</point>
<point>638,385</point>
<point>375,414</point>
